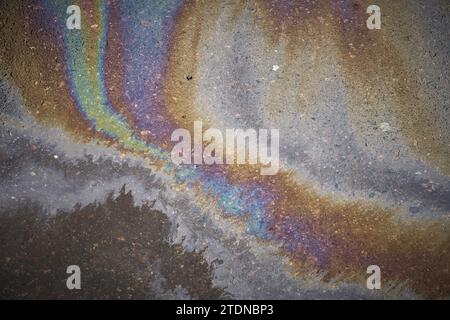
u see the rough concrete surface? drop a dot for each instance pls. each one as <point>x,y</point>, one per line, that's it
<point>86,118</point>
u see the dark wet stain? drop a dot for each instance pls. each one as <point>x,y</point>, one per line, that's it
<point>121,250</point>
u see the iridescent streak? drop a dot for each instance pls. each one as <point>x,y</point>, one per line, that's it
<point>308,226</point>
<point>87,78</point>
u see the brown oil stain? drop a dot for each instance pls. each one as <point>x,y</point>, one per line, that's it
<point>371,63</point>
<point>26,49</point>
<point>352,235</point>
